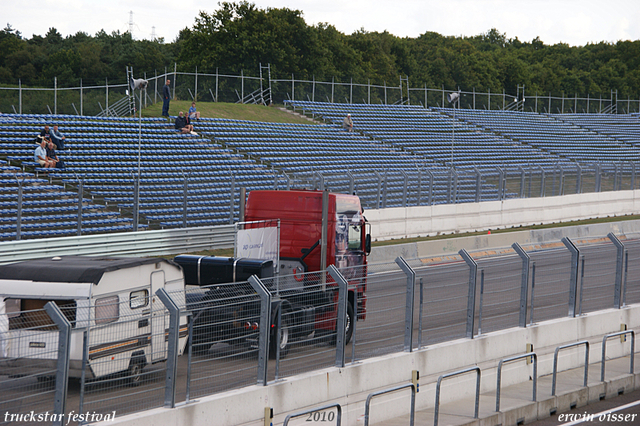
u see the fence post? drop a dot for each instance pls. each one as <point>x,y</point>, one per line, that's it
<point>404,188</point>
<point>524,284</point>
<point>136,202</point>
<point>20,95</point>
<point>195,89</point>
<point>232,199</point>
<point>106,96</point>
<point>352,184</point>
<point>64,349</point>
<point>619,269</point>
<point>523,179</point>
<point>633,175</point>
<point>478,184</point>
<point>80,198</point>
<point>430,199</point>
<point>184,200</point>
<point>471,297</point>
<point>573,280</point>
<point>216,99</point>
<point>172,347</point>
<point>379,191</point>
<point>542,181</point>
<point>341,315</point>
<point>500,183</point>
<point>409,303</point>
<point>265,320</point>
<point>19,210</point>
<point>578,179</point>
<point>55,95</point>
<point>418,202</point>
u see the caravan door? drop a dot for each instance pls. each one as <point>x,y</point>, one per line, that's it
<point>158,326</point>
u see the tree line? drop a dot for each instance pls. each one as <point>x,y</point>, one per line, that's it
<point>239,36</point>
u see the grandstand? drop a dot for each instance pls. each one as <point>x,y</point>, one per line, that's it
<point>398,155</point>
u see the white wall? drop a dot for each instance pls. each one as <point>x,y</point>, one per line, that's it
<point>350,386</point>
<point>400,222</point>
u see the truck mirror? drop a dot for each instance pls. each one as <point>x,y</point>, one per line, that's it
<point>367,244</point>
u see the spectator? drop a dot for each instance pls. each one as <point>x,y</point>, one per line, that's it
<point>347,123</point>
<point>193,113</point>
<point>40,154</point>
<point>166,97</point>
<point>57,137</point>
<point>183,125</point>
<point>52,157</point>
<point>45,133</point>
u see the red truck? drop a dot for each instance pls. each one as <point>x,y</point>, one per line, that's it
<point>302,216</point>
<point>306,301</point>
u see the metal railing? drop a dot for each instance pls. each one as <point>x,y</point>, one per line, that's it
<point>555,363</point>
<point>515,358</point>
<point>316,410</point>
<point>412,413</point>
<point>253,332</point>
<point>604,350</point>
<point>457,373</point>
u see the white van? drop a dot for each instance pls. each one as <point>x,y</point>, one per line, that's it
<point>113,298</point>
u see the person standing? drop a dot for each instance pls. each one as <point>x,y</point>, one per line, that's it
<point>166,97</point>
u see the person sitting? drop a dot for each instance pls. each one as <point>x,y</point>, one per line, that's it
<point>52,157</point>
<point>40,154</point>
<point>57,137</point>
<point>45,133</point>
<point>347,123</point>
<point>193,113</point>
<point>182,124</point>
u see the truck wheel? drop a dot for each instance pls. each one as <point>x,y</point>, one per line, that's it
<point>348,327</point>
<point>284,338</point>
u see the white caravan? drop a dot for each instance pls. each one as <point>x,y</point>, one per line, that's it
<point>113,298</point>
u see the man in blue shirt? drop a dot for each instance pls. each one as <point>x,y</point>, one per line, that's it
<point>40,155</point>
<point>57,137</point>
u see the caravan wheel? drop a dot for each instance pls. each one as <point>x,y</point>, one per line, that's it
<point>134,373</point>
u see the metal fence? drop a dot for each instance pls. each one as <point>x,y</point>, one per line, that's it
<point>260,331</point>
<point>215,86</point>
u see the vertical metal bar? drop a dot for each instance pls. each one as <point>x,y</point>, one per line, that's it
<point>85,360</point>
<point>185,197</point>
<point>19,210</point>
<point>352,185</point>
<point>81,102</point>
<point>581,285</point>
<point>232,199</point>
<point>619,269</point>
<point>216,99</point>
<point>478,185</point>
<point>64,349</point>
<point>409,303</point>
<point>341,314</point>
<point>385,188</point>
<point>404,188</point>
<point>195,88</point>
<point>136,202</point>
<point>523,179</point>
<point>80,198</point>
<point>471,296</point>
<point>533,287</point>
<point>524,282</point>
<point>542,181</point>
<point>430,199</point>
<point>420,314</point>
<point>573,280</point>
<point>626,277</point>
<point>189,356</point>
<point>55,95</point>
<point>20,96</point>
<point>265,322</point>
<point>578,179</point>
<point>172,347</point>
<point>278,337</point>
<point>481,302</point>
<point>243,200</point>
<point>324,230</point>
<point>419,196</point>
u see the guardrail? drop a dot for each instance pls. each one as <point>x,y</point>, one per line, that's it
<point>514,358</point>
<point>604,350</point>
<point>457,373</point>
<point>316,410</point>
<point>394,389</point>
<point>555,363</point>
<point>143,243</point>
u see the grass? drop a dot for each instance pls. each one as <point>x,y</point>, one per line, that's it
<point>227,110</point>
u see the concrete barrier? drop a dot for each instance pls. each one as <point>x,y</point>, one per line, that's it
<point>423,221</point>
<point>350,386</point>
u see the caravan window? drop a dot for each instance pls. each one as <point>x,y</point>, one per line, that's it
<point>30,313</point>
<point>138,299</point>
<point>107,309</point>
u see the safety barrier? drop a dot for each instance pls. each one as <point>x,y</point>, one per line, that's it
<point>555,363</point>
<point>514,358</point>
<point>457,373</point>
<point>316,410</point>
<point>604,350</point>
<point>394,389</point>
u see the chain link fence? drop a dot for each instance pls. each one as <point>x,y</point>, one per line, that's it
<point>143,353</point>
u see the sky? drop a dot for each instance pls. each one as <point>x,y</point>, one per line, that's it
<point>575,22</point>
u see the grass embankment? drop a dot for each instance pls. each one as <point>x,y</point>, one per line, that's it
<point>226,110</point>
